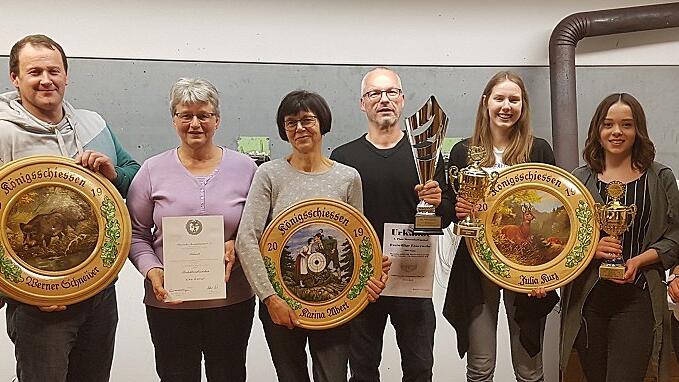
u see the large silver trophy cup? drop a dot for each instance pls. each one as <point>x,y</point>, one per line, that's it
<point>426,130</point>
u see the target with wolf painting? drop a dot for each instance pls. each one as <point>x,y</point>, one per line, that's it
<point>538,229</point>
<point>65,231</point>
<point>319,255</point>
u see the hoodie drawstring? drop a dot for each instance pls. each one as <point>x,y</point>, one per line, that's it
<point>60,139</point>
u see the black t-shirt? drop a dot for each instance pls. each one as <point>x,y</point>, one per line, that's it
<point>389,177</point>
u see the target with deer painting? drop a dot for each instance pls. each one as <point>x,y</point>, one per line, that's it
<point>538,228</point>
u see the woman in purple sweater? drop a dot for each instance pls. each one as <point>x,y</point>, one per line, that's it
<point>197,178</point>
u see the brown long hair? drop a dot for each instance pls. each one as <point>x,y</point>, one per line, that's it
<point>643,150</point>
<point>521,139</point>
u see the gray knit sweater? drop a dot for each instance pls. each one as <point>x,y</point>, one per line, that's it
<point>276,186</point>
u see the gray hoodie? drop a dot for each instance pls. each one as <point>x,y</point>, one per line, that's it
<point>22,135</point>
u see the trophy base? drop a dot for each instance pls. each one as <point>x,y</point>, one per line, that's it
<point>427,225</point>
<point>466,230</point>
<point>612,271</point>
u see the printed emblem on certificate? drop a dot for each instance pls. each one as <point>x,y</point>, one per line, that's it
<point>412,261</point>
<point>64,231</point>
<point>538,228</point>
<point>193,257</point>
<point>319,255</point>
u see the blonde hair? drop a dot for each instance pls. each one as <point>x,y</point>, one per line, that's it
<point>521,136</point>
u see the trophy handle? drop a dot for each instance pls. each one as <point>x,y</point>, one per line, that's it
<point>492,179</point>
<point>598,210</point>
<point>452,175</point>
<point>632,208</point>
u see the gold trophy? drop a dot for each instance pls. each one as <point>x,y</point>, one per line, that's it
<point>472,184</point>
<point>614,218</point>
<point>426,130</point>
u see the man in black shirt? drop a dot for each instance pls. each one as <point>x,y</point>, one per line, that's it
<point>391,191</point>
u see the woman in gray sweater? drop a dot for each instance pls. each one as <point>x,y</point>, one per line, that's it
<point>303,118</point>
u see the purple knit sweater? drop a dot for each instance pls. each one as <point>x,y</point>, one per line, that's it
<point>164,187</point>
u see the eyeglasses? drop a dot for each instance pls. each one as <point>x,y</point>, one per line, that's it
<point>306,122</point>
<point>374,95</point>
<point>188,117</point>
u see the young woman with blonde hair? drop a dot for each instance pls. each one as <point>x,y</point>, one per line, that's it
<point>472,302</point>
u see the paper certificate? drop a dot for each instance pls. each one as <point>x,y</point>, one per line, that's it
<point>412,261</point>
<point>193,256</point>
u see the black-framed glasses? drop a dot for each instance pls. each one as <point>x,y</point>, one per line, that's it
<point>188,117</point>
<point>374,95</point>
<point>306,122</point>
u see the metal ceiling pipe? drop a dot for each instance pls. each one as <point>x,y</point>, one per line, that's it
<point>562,43</point>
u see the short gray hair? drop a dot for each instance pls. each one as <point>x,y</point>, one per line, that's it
<point>193,90</point>
<point>379,69</point>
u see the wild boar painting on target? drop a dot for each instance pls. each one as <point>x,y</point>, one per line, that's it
<point>52,228</point>
<point>317,263</point>
<point>531,227</point>
<point>64,231</point>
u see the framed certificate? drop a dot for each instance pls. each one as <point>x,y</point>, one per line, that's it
<point>319,255</point>
<point>64,231</point>
<point>538,228</point>
<point>193,257</point>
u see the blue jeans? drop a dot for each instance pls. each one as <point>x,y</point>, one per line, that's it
<point>75,345</point>
<point>414,321</point>
<point>329,351</point>
<point>182,337</point>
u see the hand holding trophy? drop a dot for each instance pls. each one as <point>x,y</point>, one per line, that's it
<point>426,130</point>
<point>472,184</point>
<point>614,218</point>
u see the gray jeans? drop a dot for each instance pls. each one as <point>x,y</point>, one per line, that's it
<point>483,339</point>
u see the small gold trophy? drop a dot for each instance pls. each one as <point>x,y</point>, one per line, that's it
<point>614,218</point>
<point>426,130</point>
<point>472,184</point>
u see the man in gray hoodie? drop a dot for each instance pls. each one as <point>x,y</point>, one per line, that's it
<point>59,343</point>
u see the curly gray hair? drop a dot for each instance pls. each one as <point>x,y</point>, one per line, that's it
<point>193,90</point>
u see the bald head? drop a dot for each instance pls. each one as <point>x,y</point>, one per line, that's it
<point>384,106</point>
<point>379,71</point>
